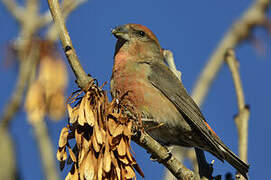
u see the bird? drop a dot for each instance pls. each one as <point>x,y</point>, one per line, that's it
<point>152,89</point>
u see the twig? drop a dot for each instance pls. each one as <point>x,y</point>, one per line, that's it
<point>254,16</point>
<point>8,165</point>
<point>46,150</point>
<point>7,157</point>
<point>168,160</point>
<point>82,78</point>
<point>67,6</point>
<point>241,119</point>
<point>168,55</point>
<point>16,11</point>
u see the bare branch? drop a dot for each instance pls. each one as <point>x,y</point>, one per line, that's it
<point>254,16</point>
<point>166,158</point>
<point>82,78</point>
<point>26,68</point>
<point>242,117</point>
<point>46,150</point>
<point>168,55</point>
<point>16,11</point>
<point>68,6</point>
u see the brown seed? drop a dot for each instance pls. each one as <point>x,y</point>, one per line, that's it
<point>98,134</point>
<point>129,172</point>
<point>63,138</point>
<point>95,145</point>
<point>89,113</point>
<point>112,125</point>
<point>81,113</point>
<point>107,159</point>
<point>61,154</point>
<point>118,130</point>
<point>73,157</point>
<point>121,147</point>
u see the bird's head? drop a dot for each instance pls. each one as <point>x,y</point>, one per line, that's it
<point>137,39</point>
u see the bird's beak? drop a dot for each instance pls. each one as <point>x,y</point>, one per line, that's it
<point>121,32</point>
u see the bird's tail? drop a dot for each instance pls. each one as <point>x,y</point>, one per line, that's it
<point>237,163</point>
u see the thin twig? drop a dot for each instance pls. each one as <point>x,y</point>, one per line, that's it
<point>16,11</point>
<point>241,119</point>
<point>82,78</point>
<point>46,150</point>
<point>168,57</point>
<point>67,6</point>
<point>254,16</point>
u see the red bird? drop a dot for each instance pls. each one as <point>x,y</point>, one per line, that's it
<point>160,97</point>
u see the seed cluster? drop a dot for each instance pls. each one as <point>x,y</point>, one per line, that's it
<point>102,134</point>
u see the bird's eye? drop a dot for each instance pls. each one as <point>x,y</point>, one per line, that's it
<point>141,33</point>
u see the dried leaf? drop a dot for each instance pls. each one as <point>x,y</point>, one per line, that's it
<point>118,130</point>
<point>100,168</point>
<point>70,110</point>
<point>95,144</point>
<point>72,155</point>
<point>89,114</point>
<point>107,160</point>
<point>124,159</point>
<point>61,154</point>
<point>129,172</point>
<point>112,125</point>
<point>81,113</point>
<point>98,134</point>
<point>89,167</point>
<point>56,105</point>
<point>74,115</point>
<point>121,147</point>
<point>116,165</point>
<point>127,131</point>
<point>63,138</point>
<point>78,138</point>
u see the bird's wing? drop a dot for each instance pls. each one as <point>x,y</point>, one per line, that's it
<point>162,78</point>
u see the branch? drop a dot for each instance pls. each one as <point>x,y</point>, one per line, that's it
<point>46,150</point>
<point>166,158</point>
<point>67,7</point>
<point>15,10</point>
<point>82,78</point>
<point>168,57</point>
<point>254,16</point>
<point>241,119</point>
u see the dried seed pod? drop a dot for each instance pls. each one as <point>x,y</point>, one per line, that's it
<point>118,130</point>
<point>61,154</point>
<point>121,147</point>
<point>72,155</point>
<point>63,138</point>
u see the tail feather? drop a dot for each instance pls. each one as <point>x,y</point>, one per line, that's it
<point>237,163</point>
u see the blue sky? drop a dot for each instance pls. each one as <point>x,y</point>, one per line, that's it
<point>191,29</point>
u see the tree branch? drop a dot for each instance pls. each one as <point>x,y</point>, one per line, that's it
<point>82,78</point>
<point>46,150</point>
<point>15,10</point>
<point>164,157</point>
<point>241,119</point>
<point>254,16</point>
